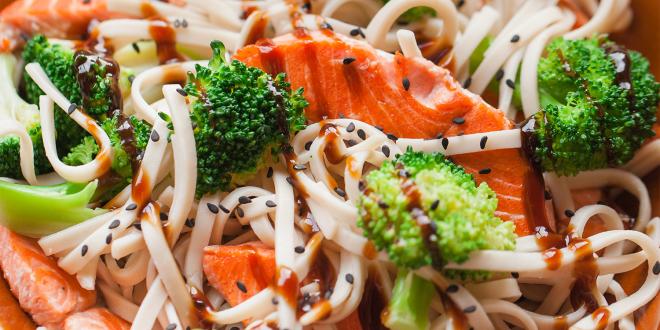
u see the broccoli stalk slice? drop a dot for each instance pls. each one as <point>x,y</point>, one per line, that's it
<point>408,308</point>
<point>36,211</point>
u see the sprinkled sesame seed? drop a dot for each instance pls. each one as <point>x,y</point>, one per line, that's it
<point>190,223</point>
<point>163,216</point>
<point>307,7</point>
<point>270,172</point>
<point>510,83</point>
<point>467,82</point>
<point>350,142</point>
<point>482,142</point>
<point>404,173</point>
<point>299,249</point>
<point>171,326</point>
<point>274,301</point>
<point>240,212</point>
<point>223,208</point>
<point>83,250</point>
<point>326,25</point>
<point>270,203</point>
<point>452,288</point>
<point>299,167</point>
<point>383,205</point>
<point>361,134</point>
<point>484,171</point>
<point>361,185</point>
<point>348,60</point>
<point>340,192</point>
<point>386,151</point>
<point>470,309</point>
<point>154,136</point>
<point>308,145</point>
<point>114,224</point>
<point>460,3</point>
<point>656,268</point>
<point>435,204</point>
<point>350,128</point>
<point>439,136</point>
<point>458,120</point>
<point>499,75</point>
<point>131,207</point>
<point>357,32</point>
<point>515,275</point>
<point>392,137</point>
<point>547,195</point>
<point>72,108</point>
<point>289,180</point>
<point>569,213</point>
<point>136,47</point>
<point>349,278</point>
<point>213,208</point>
<point>445,143</point>
<point>406,83</point>
<point>181,91</point>
<point>244,200</point>
<point>131,78</point>
<point>515,38</point>
<point>241,286</point>
<point>137,226</point>
<point>108,239</point>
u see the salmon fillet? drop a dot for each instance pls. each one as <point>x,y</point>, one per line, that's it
<point>408,97</point>
<point>95,319</point>
<point>43,289</point>
<point>11,314</point>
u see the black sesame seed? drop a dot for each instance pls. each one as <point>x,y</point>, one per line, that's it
<point>326,25</point>
<point>108,239</point>
<point>435,204</point>
<point>547,195</point>
<point>190,223</point>
<point>299,167</point>
<point>386,151</point>
<point>154,136</point>
<point>269,174</point>
<point>234,328</point>
<point>482,143</point>
<point>181,91</point>
<point>136,47</point>
<point>245,199</point>
<point>274,301</point>
<point>458,120</point>
<point>84,250</point>
<point>445,143</point>
<point>348,60</point>
<point>510,83</point>
<point>299,249</point>
<point>270,203</point>
<point>350,142</point>
<point>114,224</point>
<point>171,326</point>
<point>223,208</point>
<point>131,78</point>
<point>340,192</point>
<point>357,32</point>
<point>404,173</point>
<point>307,7</point>
<point>656,268</point>
<point>241,286</point>
<point>406,83</point>
<point>484,171</point>
<point>349,278</point>
<point>460,4</point>
<point>163,216</point>
<point>383,205</point>
<point>240,212</point>
<point>392,137</point>
<point>137,226</point>
<point>452,288</point>
<point>362,185</point>
<point>213,208</point>
<point>569,213</point>
<point>131,207</point>
<point>467,82</point>
<point>308,145</point>
<point>515,38</point>
<point>515,275</point>
<point>72,108</point>
<point>350,128</point>
<point>289,180</point>
<point>470,309</point>
<point>361,134</point>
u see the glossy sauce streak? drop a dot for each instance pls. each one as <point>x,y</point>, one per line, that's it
<point>162,33</point>
<point>286,285</point>
<point>560,323</point>
<point>552,258</point>
<point>585,272</point>
<point>623,66</point>
<point>459,320</point>
<point>373,306</point>
<point>257,31</point>
<point>141,188</point>
<point>201,307</point>
<point>174,74</point>
<point>602,317</point>
<point>331,135</point>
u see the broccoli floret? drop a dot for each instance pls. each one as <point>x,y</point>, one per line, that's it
<point>411,298</point>
<point>417,188</point>
<point>242,119</point>
<point>414,14</point>
<point>14,108</point>
<point>36,211</point>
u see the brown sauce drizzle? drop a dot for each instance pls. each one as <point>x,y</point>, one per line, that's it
<point>286,285</point>
<point>201,307</point>
<point>602,317</point>
<point>552,258</point>
<point>560,323</point>
<point>535,199</point>
<point>258,31</point>
<point>331,135</point>
<point>623,66</point>
<point>373,304</point>
<point>530,141</point>
<point>459,320</point>
<point>141,191</point>
<point>585,272</point>
<point>162,33</point>
<point>174,75</point>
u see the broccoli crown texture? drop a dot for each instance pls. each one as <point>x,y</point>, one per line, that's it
<point>425,210</point>
<point>242,118</point>
<point>599,104</point>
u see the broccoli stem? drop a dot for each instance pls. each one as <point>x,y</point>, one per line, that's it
<point>36,211</point>
<point>410,303</point>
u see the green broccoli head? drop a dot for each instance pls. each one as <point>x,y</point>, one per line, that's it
<point>425,210</point>
<point>242,118</point>
<point>599,104</point>
<point>13,107</point>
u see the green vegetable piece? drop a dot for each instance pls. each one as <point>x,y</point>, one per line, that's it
<point>415,14</point>
<point>411,299</point>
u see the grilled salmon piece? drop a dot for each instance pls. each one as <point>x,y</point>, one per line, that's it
<point>43,290</point>
<point>95,319</point>
<point>240,271</point>
<point>408,97</point>
<point>11,314</point>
